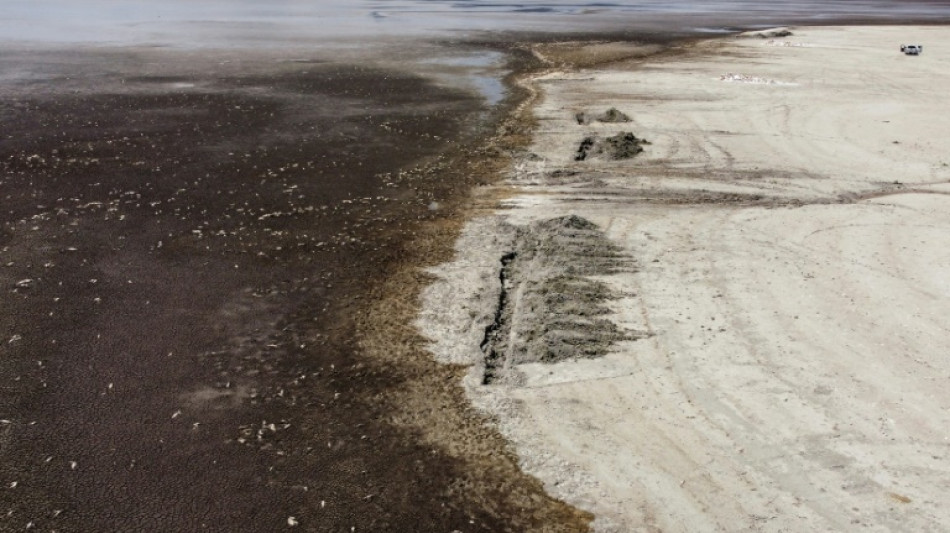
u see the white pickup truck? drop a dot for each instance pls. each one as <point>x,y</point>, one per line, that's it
<point>912,49</point>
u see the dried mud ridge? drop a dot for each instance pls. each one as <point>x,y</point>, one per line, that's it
<point>550,308</point>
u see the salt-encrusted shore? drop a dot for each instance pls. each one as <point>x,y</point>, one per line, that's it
<point>742,327</point>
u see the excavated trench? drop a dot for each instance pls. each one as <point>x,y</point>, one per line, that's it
<point>550,306</point>
<point>492,357</point>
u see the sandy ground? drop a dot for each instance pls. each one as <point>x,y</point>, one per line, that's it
<point>778,260</point>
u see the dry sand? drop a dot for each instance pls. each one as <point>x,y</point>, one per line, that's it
<point>758,325</point>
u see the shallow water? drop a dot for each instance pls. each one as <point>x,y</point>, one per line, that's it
<point>258,23</point>
<point>481,71</point>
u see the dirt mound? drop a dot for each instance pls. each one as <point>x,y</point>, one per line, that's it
<point>567,222</point>
<point>585,149</point>
<point>624,145</point>
<point>613,115</point>
<point>549,309</point>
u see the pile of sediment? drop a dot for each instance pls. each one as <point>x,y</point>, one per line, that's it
<point>549,307</point>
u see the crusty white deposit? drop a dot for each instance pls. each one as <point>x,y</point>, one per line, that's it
<point>787,231</point>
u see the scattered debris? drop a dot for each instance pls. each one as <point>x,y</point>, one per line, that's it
<point>742,78</point>
<point>773,42</point>
<point>770,33</point>
<point>899,497</point>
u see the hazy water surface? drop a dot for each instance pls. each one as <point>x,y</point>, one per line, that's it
<point>257,22</point>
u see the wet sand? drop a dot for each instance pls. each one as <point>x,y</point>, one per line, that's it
<point>190,242</point>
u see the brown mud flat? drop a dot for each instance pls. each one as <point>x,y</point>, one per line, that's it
<point>209,271</point>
